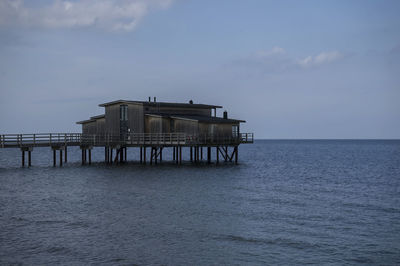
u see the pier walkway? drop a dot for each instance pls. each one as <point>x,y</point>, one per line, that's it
<point>156,142</point>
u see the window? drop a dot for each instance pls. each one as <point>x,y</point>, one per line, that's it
<point>123,112</point>
<point>235,131</point>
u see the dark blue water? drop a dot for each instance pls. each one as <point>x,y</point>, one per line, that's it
<point>288,202</point>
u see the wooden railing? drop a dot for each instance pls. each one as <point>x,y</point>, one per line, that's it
<point>75,139</point>
<point>42,139</point>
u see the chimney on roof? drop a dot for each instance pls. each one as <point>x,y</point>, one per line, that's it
<point>190,102</point>
<point>225,115</point>
<point>154,99</point>
<point>149,99</point>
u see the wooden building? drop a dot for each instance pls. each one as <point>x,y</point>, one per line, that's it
<point>145,125</point>
<point>123,118</point>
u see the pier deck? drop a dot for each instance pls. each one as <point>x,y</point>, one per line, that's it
<point>156,142</point>
<point>131,140</point>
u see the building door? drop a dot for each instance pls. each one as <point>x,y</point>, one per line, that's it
<point>123,121</point>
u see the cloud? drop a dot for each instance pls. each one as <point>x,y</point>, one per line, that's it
<point>320,59</point>
<point>113,15</point>
<point>278,60</point>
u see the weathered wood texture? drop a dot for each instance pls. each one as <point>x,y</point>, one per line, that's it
<point>135,118</point>
<point>100,126</point>
<point>112,120</point>
<point>89,128</point>
<point>178,110</point>
<point>59,140</point>
<point>189,127</point>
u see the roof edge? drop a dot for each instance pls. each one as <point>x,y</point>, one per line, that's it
<point>195,105</point>
<point>86,121</point>
<point>97,117</point>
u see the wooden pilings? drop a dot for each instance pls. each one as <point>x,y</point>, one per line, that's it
<point>60,149</point>
<point>208,155</point>
<point>86,154</point>
<point>222,153</point>
<point>29,150</point>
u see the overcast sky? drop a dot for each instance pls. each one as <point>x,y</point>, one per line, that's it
<point>291,69</point>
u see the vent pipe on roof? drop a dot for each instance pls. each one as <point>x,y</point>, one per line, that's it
<point>191,102</point>
<point>149,99</point>
<point>225,115</point>
<point>154,99</point>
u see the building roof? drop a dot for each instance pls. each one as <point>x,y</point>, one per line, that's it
<point>208,119</point>
<point>203,119</point>
<point>92,119</point>
<point>86,121</point>
<point>98,117</point>
<point>161,104</point>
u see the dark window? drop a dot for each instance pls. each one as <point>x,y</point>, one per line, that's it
<point>123,112</point>
<point>235,131</point>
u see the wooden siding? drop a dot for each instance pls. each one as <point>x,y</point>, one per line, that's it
<point>89,128</point>
<point>216,129</point>
<point>154,124</point>
<point>178,110</point>
<point>135,118</point>
<point>190,127</point>
<point>112,120</point>
<point>100,126</point>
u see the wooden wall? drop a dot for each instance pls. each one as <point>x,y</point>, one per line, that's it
<point>112,119</point>
<point>216,129</point>
<point>135,118</point>
<point>155,124</point>
<point>100,126</point>
<point>189,127</point>
<point>89,128</point>
<point>178,110</point>
<point>138,122</point>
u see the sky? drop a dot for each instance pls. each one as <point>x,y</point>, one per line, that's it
<point>291,69</point>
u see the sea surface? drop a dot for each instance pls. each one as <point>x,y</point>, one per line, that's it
<point>287,202</point>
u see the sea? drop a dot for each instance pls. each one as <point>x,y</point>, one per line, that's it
<point>287,202</point>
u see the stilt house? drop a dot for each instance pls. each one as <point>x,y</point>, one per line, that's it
<point>123,118</point>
